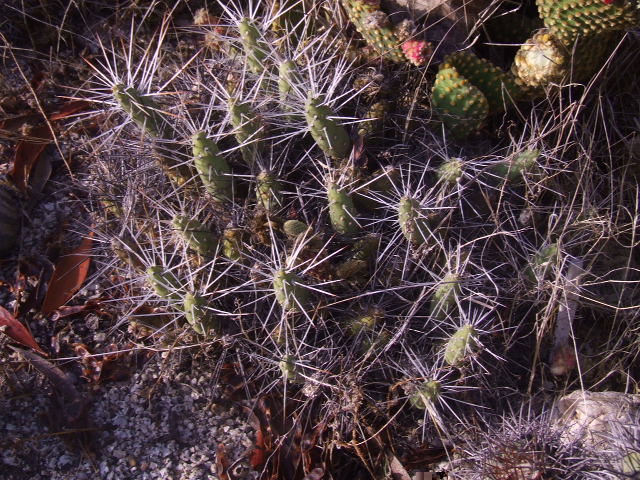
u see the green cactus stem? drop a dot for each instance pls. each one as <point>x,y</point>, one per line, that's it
<point>513,171</point>
<point>328,134</point>
<point>146,114</point>
<point>290,291</point>
<point>413,220</point>
<point>461,105</point>
<point>358,266</point>
<point>164,283</point>
<point>459,345</point>
<point>201,319</point>
<point>541,264</point>
<point>290,370</point>
<point>249,130</point>
<point>196,235</point>
<point>444,297</point>
<point>142,110</point>
<point>255,48</point>
<point>212,168</point>
<point>426,394</point>
<point>288,77</point>
<point>367,321</point>
<point>234,244</point>
<point>450,171</point>
<point>342,213</point>
<point>268,191</point>
<point>293,228</point>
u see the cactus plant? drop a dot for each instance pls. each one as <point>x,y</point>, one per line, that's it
<point>569,19</point>
<point>426,394</point>
<point>293,272</point>
<point>255,48</point>
<point>450,171</point>
<point>248,129</point>
<point>164,283</point>
<point>459,345</point>
<point>413,220</point>
<point>197,235</point>
<point>201,319</point>
<point>268,191</point>
<point>358,266</point>
<point>375,27</point>
<point>461,105</point>
<point>541,264</point>
<point>234,244</point>
<point>444,297</point>
<point>142,109</point>
<point>341,211</point>
<point>512,171</point>
<point>213,169</point>
<point>293,228</point>
<point>541,60</point>
<point>497,86</point>
<point>329,135</point>
<point>291,293</point>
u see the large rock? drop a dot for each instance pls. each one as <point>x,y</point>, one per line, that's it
<point>598,420</point>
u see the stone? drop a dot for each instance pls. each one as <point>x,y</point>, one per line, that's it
<point>597,419</point>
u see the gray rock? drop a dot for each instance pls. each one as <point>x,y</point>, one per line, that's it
<point>599,419</point>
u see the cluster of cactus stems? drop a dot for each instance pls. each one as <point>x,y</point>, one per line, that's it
<point>576,40</point>
<point>267,222</point>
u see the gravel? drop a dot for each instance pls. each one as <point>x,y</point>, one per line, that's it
<point>161,423</point>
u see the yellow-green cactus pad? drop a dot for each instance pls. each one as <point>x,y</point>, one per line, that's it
<point>142,110</point>
<point>255,48</point>
<point>496,85</point>
<point>164,283</point>
<point>201,319</point>
<point>461,105</point>
<point>249,130</point>
<point>570,19</point>
<point>375,27</point>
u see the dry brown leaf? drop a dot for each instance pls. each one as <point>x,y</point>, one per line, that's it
<point>28,152</point>
<point>69,109</point>
<point>222,462</point>
<point>68,276</point>
<point>16,331</point>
